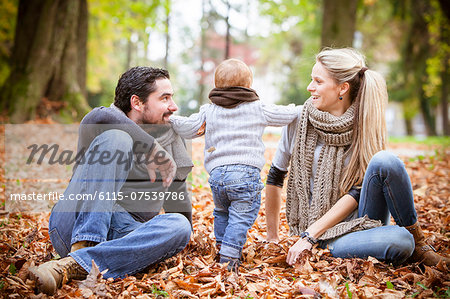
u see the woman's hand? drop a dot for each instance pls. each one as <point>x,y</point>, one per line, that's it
<point>296,249</point>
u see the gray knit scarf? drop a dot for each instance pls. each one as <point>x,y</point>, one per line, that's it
<point>336,132</point>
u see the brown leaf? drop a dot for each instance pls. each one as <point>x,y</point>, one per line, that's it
<point>192,287</point>
<point>94,283</point>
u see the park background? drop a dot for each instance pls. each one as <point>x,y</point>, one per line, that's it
<point>60,58</point>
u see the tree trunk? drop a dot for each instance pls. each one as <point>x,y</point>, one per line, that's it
<point>338,23</point>
<point>408,126</point>
<point>227,36</point>
<point>416,53</point>
<point>445,74</point>
<point>49,59</point>
<point>166,56</point>
<point>129,54</point>
<point>204,27</point>
<point>445,78</point>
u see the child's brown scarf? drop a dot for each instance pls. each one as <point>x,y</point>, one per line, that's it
<point>230,97</point>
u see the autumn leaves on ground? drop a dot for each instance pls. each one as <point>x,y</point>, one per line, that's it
<point>194,273</point>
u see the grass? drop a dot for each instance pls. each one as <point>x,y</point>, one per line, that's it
<point>433,140</point>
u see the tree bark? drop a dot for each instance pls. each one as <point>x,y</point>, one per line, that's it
<point>166,56</point>
<point>445,78</point>
<point>204,28</point>
<point>416,53</point>
<point>49,59</point>
<point>227,36</point>
<point>338,23</point>
<point>445,73</point>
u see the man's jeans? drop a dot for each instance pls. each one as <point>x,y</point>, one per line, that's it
<point>236,192</point>
<point>386,190</point>
<point>126,246</point>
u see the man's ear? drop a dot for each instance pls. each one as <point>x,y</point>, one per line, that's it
<point>136,103</point>
<point>344,88</point>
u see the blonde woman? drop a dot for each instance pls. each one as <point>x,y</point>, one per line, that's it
<point>342,185</point>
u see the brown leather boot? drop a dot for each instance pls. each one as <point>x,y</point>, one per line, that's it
<point>423,252</point>
<point>50,276</point>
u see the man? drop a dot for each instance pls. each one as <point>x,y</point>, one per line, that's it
<point>115,220</point>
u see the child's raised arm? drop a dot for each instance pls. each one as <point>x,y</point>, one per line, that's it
<point>190,127</point>
<point>278,115</point>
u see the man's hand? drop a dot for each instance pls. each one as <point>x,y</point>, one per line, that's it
<point>160,160</point>
<point>294,251</point>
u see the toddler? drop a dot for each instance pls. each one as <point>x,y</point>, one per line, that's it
<point>233,125</point>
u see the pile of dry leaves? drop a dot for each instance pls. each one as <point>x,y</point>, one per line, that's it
<point>193,273</point>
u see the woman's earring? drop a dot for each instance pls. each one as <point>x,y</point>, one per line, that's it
<point>340,98</point>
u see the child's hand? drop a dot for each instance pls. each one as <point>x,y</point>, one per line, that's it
<point>201,130</point>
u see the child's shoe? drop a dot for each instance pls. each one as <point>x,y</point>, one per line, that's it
<point>233,263</point>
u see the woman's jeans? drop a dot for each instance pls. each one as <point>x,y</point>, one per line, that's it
<point>126,246</point>
<point>386,190</point>
<point>236,192</point>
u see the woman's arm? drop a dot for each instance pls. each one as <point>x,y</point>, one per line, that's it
<point>273,207</point>
<point>275,179</point>
<point>343,207</point>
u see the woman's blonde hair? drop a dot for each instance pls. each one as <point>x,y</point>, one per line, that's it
<point>368,89</point>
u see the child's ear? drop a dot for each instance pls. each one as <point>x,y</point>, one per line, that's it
<point>136,103</point>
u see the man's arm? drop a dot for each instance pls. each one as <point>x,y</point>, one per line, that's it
<point>101,119</point>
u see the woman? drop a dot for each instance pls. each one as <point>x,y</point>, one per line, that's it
<point>342,186</point>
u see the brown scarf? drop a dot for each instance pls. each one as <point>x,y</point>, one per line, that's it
<point>336,132</point>
<point>230,97</point>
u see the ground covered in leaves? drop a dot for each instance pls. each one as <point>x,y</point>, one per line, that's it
<point>193,273</point>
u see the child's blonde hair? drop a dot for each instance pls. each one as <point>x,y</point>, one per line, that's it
<point>233,72</point>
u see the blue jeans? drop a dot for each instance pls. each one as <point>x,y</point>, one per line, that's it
<point>126,246</point>
<point>386,190</point>
<point>236,192</point>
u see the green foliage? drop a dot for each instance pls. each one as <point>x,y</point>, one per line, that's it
<point>432,140</point>
<point>12,269</point>
<point>437,24</point>
<point>349,293</point>
<point>422,285</point>
<point>118,38</point>
<point>293,42</point>
<point>389,285</point>
<point>8,13</point>
<point>159,292</point>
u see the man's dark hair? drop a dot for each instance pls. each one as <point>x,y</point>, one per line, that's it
<point>140,81</point>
